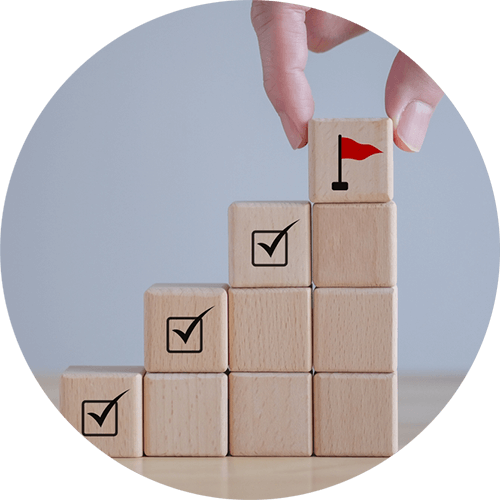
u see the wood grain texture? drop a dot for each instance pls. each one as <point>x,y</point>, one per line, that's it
<point>251,224</point>
<point>355,415</point>
<point>355,245</point>
<point>270,414</point>
<point>369,180</point>
<point>270,330</point>
<point>185,414</point>
<point>90,389</point>
<point>355,330</point>
<point>170,307</point>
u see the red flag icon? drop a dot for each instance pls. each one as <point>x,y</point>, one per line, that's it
<point>355,151</point>
<point>349,149</point>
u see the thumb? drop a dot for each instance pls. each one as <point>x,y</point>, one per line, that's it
<point>411,97</point>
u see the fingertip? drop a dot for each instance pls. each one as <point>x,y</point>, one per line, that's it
<point>411,98</point>
<point>413,124</point>
<point>303,143</point>
<point>401,145</point>
<point>297,137</point>
<point>294,138</point>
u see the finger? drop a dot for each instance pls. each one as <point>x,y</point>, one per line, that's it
<point>325,31</point>
<point>411,96</point>
<point>282,36</point>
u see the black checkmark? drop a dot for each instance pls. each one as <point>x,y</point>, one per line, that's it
<point>101,418</point>
<point>270,249</point>
<point>189,331</point>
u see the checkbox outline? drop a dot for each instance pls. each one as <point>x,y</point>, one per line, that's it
<point>106,401</point>
<point>186,351</point>
<point>268,231</point>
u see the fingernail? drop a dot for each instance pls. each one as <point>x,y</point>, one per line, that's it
<point>294,137</point>
<point>413,124</point>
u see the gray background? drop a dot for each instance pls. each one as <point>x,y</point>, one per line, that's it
<point>126,177</point>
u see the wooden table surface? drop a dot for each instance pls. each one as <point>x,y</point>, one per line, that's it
<point>421,398</point>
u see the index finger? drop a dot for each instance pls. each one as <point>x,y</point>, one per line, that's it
<point>282,36</point>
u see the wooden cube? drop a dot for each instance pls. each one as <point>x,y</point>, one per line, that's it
<point>104,403</point>
<point>185,414</point>
<point>355,415</point>
<point>185,328</point>
<point>270,244</point>
<point>355,330</point>
<point>270,414</point>
<point>270,329</point>
<point>350,160</point>
<point>354,245</point>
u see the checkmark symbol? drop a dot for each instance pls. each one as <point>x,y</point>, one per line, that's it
<point>270,249</point>
<point>102,417</point>
<point>185,336</point>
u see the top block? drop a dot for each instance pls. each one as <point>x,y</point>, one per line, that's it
<point>350,160</point>
<point>270,244</point>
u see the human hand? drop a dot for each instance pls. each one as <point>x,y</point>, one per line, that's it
<point>286,32</point>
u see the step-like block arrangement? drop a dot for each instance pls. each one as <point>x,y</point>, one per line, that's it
<point>267,331</point>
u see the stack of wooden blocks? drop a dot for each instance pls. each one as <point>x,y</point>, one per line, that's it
<point>355,302</point>
<point>267,366</point>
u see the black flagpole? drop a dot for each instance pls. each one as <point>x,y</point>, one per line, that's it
<point>339,185</point>
<point>340,158</point>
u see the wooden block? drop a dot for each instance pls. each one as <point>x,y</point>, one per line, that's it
<point>355,415</point>
<point>270,329</point>
<point>364,173</point>
<point>185,328</point>
<point>270,414</point>
<point>355,329</point>
<point>104,403</point>
<point>270,244</point>
<point>185,414</point>
<point>354,245</point>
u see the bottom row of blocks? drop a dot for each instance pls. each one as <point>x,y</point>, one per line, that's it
<point>247,414</point>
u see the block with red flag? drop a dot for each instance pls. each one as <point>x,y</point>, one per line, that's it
<point>352,150</point>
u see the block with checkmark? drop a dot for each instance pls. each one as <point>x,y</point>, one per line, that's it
<point>105,405</point>
<point>270,244</point>
<point>185,328</point>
